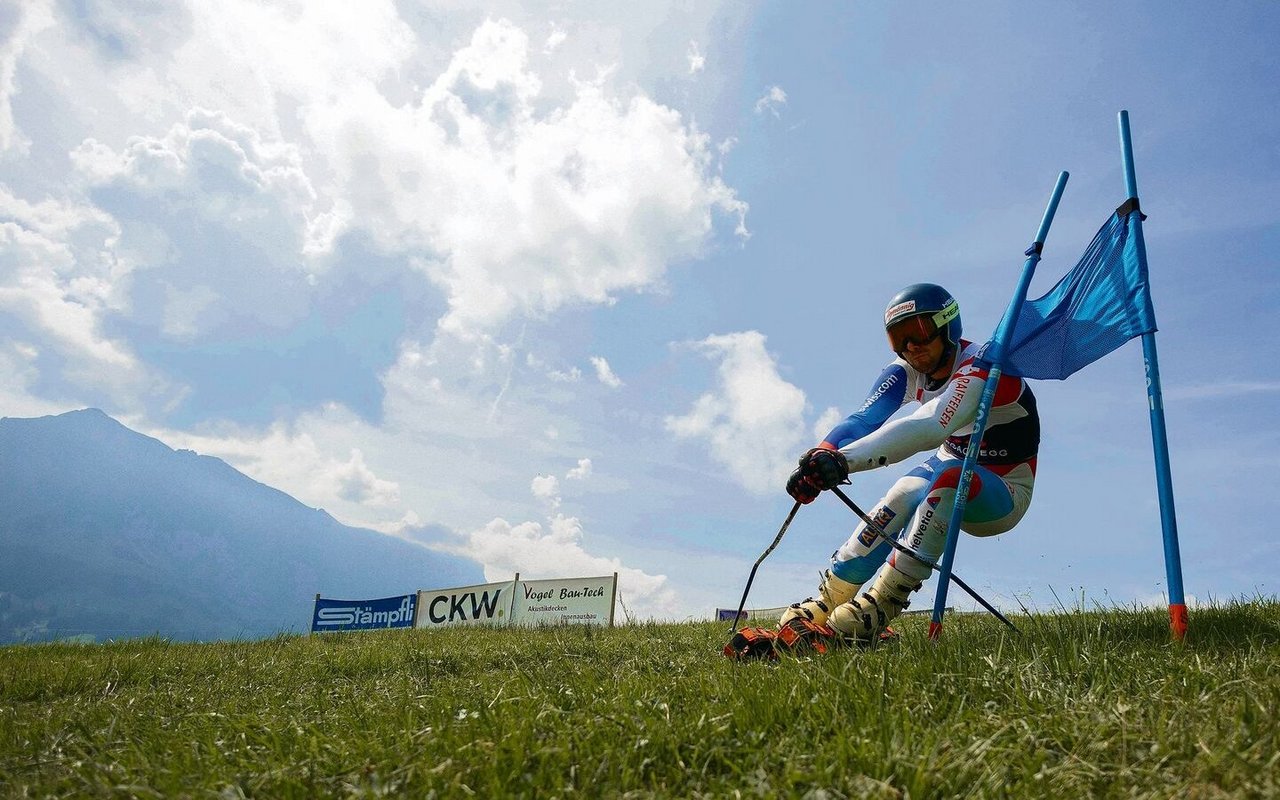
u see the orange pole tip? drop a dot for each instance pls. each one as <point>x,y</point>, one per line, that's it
<point>1178,620</point>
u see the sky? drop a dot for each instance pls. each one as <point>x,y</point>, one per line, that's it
<point>568,287</point>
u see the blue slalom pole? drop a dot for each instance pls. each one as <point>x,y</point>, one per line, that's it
<point>994,356</point>
<point>1155,403</point>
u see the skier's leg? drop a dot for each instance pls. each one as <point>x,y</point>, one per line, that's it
<point>859,557</point>
<point>995,505</point>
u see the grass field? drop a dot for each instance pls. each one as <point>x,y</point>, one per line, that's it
<point>1096,704</point>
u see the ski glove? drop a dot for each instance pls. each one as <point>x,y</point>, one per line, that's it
<point>824,468</point>
<point>800,488</point>
<point>819,469</point>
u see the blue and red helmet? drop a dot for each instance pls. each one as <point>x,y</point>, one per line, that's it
<point>921,313</point>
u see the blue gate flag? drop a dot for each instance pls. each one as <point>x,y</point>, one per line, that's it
<point>1103,302</point>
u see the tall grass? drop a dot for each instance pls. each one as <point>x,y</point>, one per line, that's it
<point>1088,704</point>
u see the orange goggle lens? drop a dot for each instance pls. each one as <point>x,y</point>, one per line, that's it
<point>918,330</point>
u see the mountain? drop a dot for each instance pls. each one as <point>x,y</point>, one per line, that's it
<point>107,533</point>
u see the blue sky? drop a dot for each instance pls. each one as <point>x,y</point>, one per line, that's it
<point>568,288</point>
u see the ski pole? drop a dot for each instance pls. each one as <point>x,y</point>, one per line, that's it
<point>901,548</point>
<point>733,628</point>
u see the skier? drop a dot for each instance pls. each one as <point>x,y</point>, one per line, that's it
<point>936,368</point>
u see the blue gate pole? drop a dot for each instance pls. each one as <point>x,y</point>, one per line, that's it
<point>1155,404</point>
<point>994,355</point>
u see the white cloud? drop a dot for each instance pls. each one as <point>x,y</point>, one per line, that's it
<point>314,128</point>
<point>33,286</point>
<point>753,420</point>
<point>573,375</point>
<point>580,472</point>
<point>18,376</point>
<point>214,222</point>
<point>593,197</point>
<point>546,487</point>
<point>19,22</point>
<point>697,61</point>
<point>556,551</point>
<point>772,100</point>
<point>355,482</point>
<point>554,39</point>
<point>722,151</point>
<point>228,214</point>
<point>605,373</point>
<point>222,169</point>
<point>265,63</point>
<point>303,460</point>
<point>60,277</point>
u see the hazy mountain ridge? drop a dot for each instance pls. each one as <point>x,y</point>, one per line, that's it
<point>111,533</point>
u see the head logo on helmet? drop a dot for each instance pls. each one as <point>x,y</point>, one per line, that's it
<point>939,313</point>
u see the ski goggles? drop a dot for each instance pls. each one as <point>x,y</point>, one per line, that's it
<point>918,330</point>
<point>921,329</point>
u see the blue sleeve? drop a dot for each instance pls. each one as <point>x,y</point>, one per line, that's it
<point>886,397</point>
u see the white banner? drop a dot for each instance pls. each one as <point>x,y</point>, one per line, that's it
<point>485,604</point>
<point>771,614</point>
<point>564,601</point>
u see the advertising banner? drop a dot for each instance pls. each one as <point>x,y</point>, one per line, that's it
<point>363,615</point>
<point>565,601</point>
<point>771,614</point>
<point>484,604</point>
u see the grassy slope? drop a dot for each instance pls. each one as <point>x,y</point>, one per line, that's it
<point>1081,705</point>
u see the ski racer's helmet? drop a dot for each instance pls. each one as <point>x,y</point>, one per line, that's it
<point>921,313</point>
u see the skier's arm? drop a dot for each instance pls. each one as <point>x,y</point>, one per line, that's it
<point>924,429</point>
<point>886,396</point>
